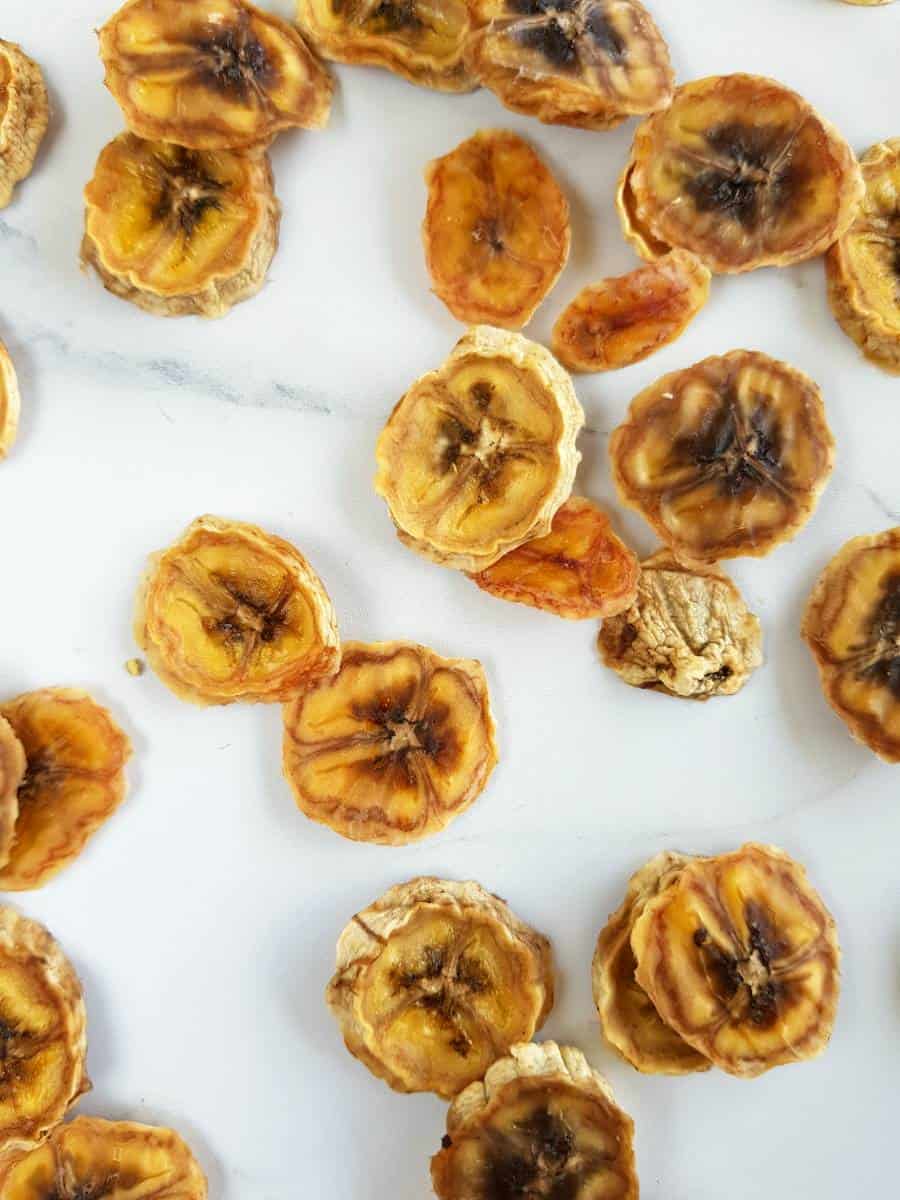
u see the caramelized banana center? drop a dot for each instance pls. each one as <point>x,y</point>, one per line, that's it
<point>882,654</point>
<point>539,1161</point>
<point>235,61</point>
<point>443,982</point>
<point>572,31</point>
<point>186,192</point>
<point>746,982</point>
<point>742,452</point>
<point>752,165</point>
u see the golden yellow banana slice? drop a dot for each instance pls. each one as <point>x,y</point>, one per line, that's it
<point>478,456</point>
<point>230,612</point>
<point>740,958</point>
<point>24,115</point>
<point>10,402</point>
<point>211,74</point>
<point>543,1124</point>
<point>392,748</point>
<point>12,772</point>
<point>93,1159</point>
<point>743,172</point>
<point>436,980</point>
<point>180,232</point>
<point>588,63</point>
<point>688,632</point>
<point>726,458</point>
<point>496,230</point>
<point>631,1024</point>
<point>863,267</point>
<point>74,780</point>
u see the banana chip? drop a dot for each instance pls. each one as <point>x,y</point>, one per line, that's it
<point>24,116</point>
<point>10,403</point>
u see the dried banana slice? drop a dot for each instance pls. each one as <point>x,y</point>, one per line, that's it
<point>579,569</point>
<point>93,1159</point>
<point>24,116</point>
<point>496,230</point>
<point>211,74</point>
<point>230,612</point>
<point>12,772</point>
<point>10,403</point>
<point>743,172</point>
<point>725,458</point>
<point>688,633</point>
<point>436,980</point>
<point>624,320</point>
<point>180,232</point>
<point>392,748</point>
<point>863,268</point>
<point>74,780</point>
<point>588,63</point>
<point>478,456</point>
<point>740,958</point>
<point>542,1123</point>
<point>630,1023</point>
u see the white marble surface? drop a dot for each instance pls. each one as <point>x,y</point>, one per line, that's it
<point>203,917</point>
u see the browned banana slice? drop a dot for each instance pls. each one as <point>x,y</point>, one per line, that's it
<point>725,458</point>
<point>12,771</point>
<point>436,980</point>
<point>542,1123</point>
<point>478,456</point>
<point>496,230</point>
<point>93,1159</point>
<point>743,172</point>
<point>10,403</point>
<point>588,63</point>
<point>24,115</point>
<point>230,612</point>
<point>394,747</point>
<point>211,74</point>
<point>624,320</point>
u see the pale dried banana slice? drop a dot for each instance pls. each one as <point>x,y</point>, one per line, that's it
<point>542,1123</point>
<point>588,63</point>
<point>24,116</point>
<point>180,232</point>
<point>435,981</point>
<point>478,455</point>
<point>726,458</point>
<point>743,172</point>
<point>10,403</point>
<point>211,74</point>
<point>394,747</point>
<point>230,612</point>
<point>12,772</point>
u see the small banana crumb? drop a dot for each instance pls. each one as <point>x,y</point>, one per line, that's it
<point>135,666</point>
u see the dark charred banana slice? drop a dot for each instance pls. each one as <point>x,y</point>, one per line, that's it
<point>435,981</point>
<point>743,172</point>
<point>10,403</point>
<point>579,569</point>
<point>180,231</point>
<point>863,268</point>
<point>725,458</point>
<point>542,1123</point>
<point>688,632</point>
<point>93,1159</point>
<point>211,74</point>
<point>624,320</point>
<point>12,771</point>
<point>478,456</point>
<point>230,612</point>
<point>24,115</point>
<point>496,230</point>
<point>74,780</point>
<point>394,747</point>
<point>588,63</point>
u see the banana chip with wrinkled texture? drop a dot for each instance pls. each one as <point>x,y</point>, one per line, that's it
<point>24,116</point>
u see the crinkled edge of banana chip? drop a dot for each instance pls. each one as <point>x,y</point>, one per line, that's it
<point>10,747</point>
<point>25,121</point>
<point>10,402</point>
<point>648,247</point>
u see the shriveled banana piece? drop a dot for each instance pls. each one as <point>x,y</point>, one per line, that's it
<point>541,1123</point>
<point>478,456</point>
<point>24,116</point>
<point>10,403</point>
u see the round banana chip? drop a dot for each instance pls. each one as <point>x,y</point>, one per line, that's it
<point>624,320</point>
<point>230,612</point>
<point>12,772</point>
<point>743,172</point>
<point>852,627</point>
<point>740,958</point>
<point>211,74</point>
<point>688,632</point>
<point>631,1024</point>
<point>74,780</point>
<point>180,232</point>
<point>478,456</point>
<point>44,1034</point>
<point>93,1159</point>
<point>10,402</point>
<point>542,1123</point>
<point>579,569</point>
<point>24,116</point>
<point>392,748</point>
<point>725,458</point>
<point>588,63</point>
<point>863,268</point>
<point>435,981</point>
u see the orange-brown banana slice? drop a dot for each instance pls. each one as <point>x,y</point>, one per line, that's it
<point>10,402</point>
<point>24,115</point>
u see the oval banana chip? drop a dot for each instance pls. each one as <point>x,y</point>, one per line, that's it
<point>10,403</point>
<point>24,116</point>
